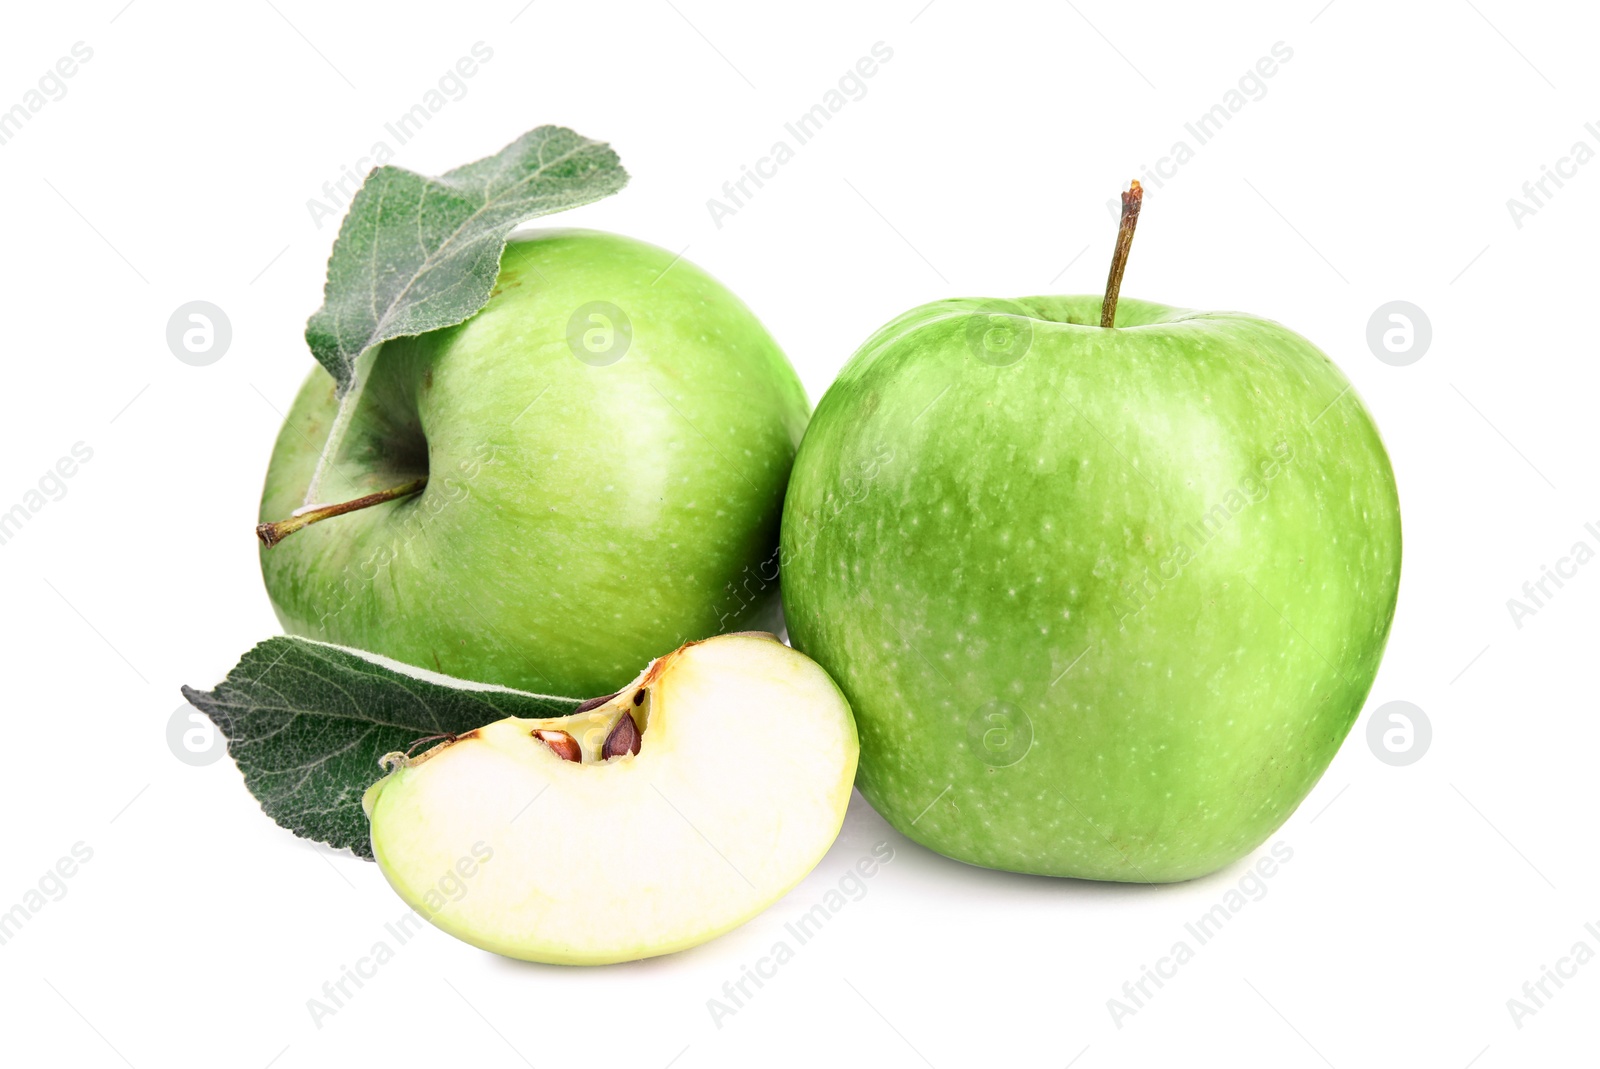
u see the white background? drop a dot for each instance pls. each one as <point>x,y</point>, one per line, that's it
<point>1377,167</point>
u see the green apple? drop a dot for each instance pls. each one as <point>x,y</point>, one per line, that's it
<point>1105,601</point>
<point>605,445</point>
<point>669,814</point>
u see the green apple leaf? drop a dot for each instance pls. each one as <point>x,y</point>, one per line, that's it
<point>416,254</point>
<point>307,723</point>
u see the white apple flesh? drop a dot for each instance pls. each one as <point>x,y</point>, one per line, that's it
<point>524,838</point>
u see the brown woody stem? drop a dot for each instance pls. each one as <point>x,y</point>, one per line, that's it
<point>273,533</point>
<point>1131,200</point>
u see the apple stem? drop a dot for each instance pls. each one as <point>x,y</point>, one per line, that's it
<point>1131,200</point>
<point>273,533</point>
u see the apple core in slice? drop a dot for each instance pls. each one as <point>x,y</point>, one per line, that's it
<point>676,810</point>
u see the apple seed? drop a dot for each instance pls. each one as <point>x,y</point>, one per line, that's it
<point>595,703</point>
<point>564,745</point>
<point>624,738</point>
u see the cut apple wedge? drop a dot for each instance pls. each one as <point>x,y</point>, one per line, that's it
<point>669,813</point>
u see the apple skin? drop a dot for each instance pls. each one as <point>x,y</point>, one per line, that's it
<point>1105,602</point>
<point>581,515</point>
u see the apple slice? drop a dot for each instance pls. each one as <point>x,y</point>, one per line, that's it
<point>661,817</point>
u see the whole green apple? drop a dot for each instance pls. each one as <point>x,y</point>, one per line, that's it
<point>1105,601</point>
<point>605,447</point>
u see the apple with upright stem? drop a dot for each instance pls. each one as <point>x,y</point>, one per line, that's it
<point>1106,582</point>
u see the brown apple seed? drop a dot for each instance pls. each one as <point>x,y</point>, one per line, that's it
<point>624,738</point>
<point>565,746</point>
